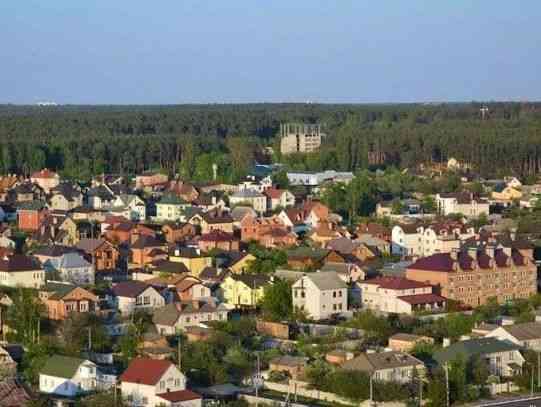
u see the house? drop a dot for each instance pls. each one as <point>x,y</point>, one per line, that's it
<point>71,267</point>
<point>150,180</point>
<point>46,179</point>
<point>321,295</point>
<point>67,376</point>
<point>399,295</point>
<point>170,208</point>
<point>194,260</point>
<point>178,232</point>
<point>506,194</point>
<point>244,290</point>
<point>30,215</point>
<point>292,366</point>
<point>338,356</point>
<point>190,288</point>
<point>146,249</point>
<point>176,317</point>
<point>104,255</point>
<point>15,393</point>
<point>323,233</point>
<point>130,206</point>
<point>314,179</point>
<point>374,229</point>
<point>56,228</point>
<point>216,220</point>
<point>236,262</point>
<point>279,198</point>
<point>386,366</point>
<point>503,358</point>
<point>8,366</point>
<point>26,192</point>
<point>198,333</point>
<point>401,342</point>
<point>100,197</point>
<point>301,258</point>
<point>240,213</point>
<point>218,240</point>
<point>7,183</point>
<point>130,296</point>
<point>249,197</point>
<point>65,196</point>
<point>473,276</point>
<point>527,335</point>
<point>466,203</point>
<point>355,248</point>
<point>153,383</point>
<point>269,232</point>
<point>21,270</point>
<point>62,299</point>
<point>183,190</point>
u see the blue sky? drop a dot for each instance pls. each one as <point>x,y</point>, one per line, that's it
<point>180,51</point>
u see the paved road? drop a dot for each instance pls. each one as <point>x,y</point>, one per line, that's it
<point>513,402</point>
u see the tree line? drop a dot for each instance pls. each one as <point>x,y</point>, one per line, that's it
<point>187,139</point>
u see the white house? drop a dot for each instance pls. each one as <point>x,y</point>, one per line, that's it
<point>67,376</point>
<point>321,295</point>
<point>20,270</point>
<point>178,316</point>
<point>130,296</point>
<point>130,206</point>
<point>527,335</point>
<point>465,203</point>
<point>72,267</point>
<point>151,383</point>
<point>398,295</point>
<point>279,198</point>
<point>250,197</point>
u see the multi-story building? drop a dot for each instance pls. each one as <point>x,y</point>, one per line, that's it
<point>417,239</point>
<point>321,294</point>
<point>387,366</point>
<point>474,275</point>
<point>466,203</point>
<point>398,295</point>
<point>299,138</point>
<point>249,197</point>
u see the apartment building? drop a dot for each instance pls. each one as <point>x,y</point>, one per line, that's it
<point>474,275</point>
<point>299,138</point>
<point>466,203</point>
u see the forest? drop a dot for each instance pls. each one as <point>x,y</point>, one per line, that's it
<point>79,141</point>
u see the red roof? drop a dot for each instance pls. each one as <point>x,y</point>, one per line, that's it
<point>274,193</point>
<point>396,283</point>
<point>181,395</point>
<point>217,236</point>
<point>422,299</point>
<point>45,173</point>
<point>145,371</point>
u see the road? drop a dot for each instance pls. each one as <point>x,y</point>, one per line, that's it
<point>513,402</point>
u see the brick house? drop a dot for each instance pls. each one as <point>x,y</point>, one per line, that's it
<point>218,240</point>
<point>30,215</point>
<point>104,255</point>
<point>473,276</point>
<point>46,179</point>
<point>62,299</point>
<point>148,249</point>
<point>269,232</point>
<point>178,232</point>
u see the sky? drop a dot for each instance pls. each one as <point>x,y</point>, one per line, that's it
<point>236,51</point>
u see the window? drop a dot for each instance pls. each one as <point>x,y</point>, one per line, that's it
<point>162,385</point>
<point>339,293</point>
<point>146,300</point>
<point>334,294</point>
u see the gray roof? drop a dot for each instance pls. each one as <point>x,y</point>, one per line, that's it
<point>169,314</point>
<point>239,212</point>
<point>371,362</point>
<point>90,245</point>
<point>473,347</point>
<point>326,280</point>
<point>247,194</point>
<point>524,332</point>
<point>69,260</point>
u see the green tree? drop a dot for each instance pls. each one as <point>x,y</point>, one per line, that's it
<point>24,316</point>
<point>478,370</point>
<point>437,390</point>
<point>277,302</point>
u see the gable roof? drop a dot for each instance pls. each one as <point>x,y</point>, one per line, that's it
<point>473,347</point>
<point>371,362</point>
<point>130,289</point>
<point>61,366</point>
<point>19,262</point>
<point>326,280</point>
<point>251,280</point>
<point>90,245</point>
<point>145,371</point>
<point>178,396</point>
<point>395,283</point>
<point>524,332</point>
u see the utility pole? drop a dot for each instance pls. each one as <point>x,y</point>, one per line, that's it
<point>446,367</point>
<point>420,392</point>
<point>371,391</point>
<point>538,370</point>
<point>89,340</point>
<point>256,380</point>
<point>179,355</point>
<point>531,390</point>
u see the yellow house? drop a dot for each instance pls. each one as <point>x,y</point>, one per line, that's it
<point>244,290</point>
<point>242,264</point>
<point>507,194</point>
<point>193,259</point>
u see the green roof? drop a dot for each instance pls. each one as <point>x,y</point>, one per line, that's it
<point>473,347</point>
<point>61,366</point>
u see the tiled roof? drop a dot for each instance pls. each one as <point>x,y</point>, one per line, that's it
<point>130,289</point>
<point>45,173</point>
<point>526,331</point>
<point>145,371</point>
<point>178,396</point>
<point>19,262</point>
<point>371,362</point>
<point>396,283</point>
<point>419,299</point>
<point>471,347</point>
<point>218,236</point>
<point>326,280</point>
